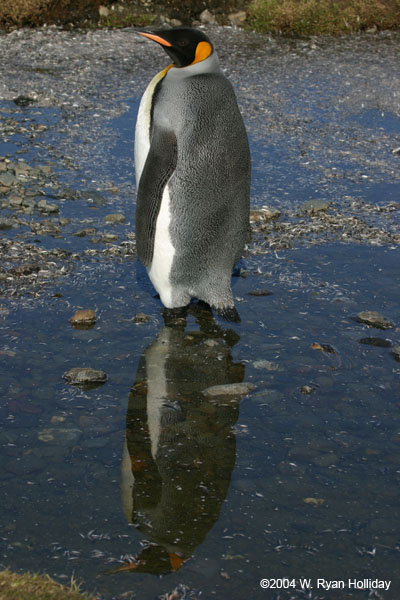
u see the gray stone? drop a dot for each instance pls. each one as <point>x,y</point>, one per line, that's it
<point>7,179</point>
<point>396,352</point>
<point>264,214</point>
<point>207,18</point>
<point>84,376</point>
<point>5,224</point>
<point>86,231</point>
<point>21,169</point>
<point>107,238</point>
<point>312,206</point>
<point>83,317</point>
<point>15,201</point>
<point>229,389</point>
<point>374,319</point>
<point>115,218</point>
<point>141,318</point>
<point>266,364</point>
<point>44,207</point>
<point>307,389</point>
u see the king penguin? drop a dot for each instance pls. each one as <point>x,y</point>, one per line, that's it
<point>192,163</point>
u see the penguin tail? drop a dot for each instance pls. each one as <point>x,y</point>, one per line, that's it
<point>227,313</point>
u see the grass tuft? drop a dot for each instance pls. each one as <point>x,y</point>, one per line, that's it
<point>329,17</point>
<point>30,586</point>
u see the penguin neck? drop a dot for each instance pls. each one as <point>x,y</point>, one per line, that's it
<point>208,65</point>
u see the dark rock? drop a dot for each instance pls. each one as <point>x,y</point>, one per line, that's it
<point>24,100</point>
<point>262,292</point>
<point>374,341</point>
<point>396,352</point>
<point>141,318</point>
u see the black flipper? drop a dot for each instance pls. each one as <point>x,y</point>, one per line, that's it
<point>159,166</point>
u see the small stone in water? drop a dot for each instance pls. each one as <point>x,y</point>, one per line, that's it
<point>323,347</point>
<point>396,352</point>
<point>374,319</point>
<point>374,341</point>
<point>44,207</point>
<point>312,206</point>
<point>229,389</point>
<point>84,376</point>
<point>307,389</point>
<point>266,364</point>
<point>264,214</point>
<point>115,218</point>
<point>262,292</point>
<point>83,317</point>
<point>141,318</point>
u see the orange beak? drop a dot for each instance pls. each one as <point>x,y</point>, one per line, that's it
<point>155,38</point>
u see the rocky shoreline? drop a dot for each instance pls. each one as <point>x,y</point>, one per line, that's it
<point>29,268</point>
<point>121,13</point>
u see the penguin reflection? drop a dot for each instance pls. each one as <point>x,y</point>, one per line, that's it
<point>180,448</point>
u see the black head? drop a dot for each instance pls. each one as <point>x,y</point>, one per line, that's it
<point>184,45</point>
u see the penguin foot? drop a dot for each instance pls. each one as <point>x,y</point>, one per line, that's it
<point>175,316</point>
<point>228,313</point>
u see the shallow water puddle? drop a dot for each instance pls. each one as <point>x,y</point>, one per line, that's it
<point>222,491</point>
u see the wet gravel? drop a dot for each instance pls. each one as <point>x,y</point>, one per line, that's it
<point>322,116</point>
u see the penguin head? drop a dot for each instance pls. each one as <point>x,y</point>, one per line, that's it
<point>184,45</point>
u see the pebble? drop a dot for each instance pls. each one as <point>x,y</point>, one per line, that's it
<point>264,214</point>
<point>307,389</point>
<point>84,317</point>
<point>396,352</point>
<point>312,206</point>
<point>207,18</point>
<point>60,435</point>
<point>84,376</point>
<point>6,224</point>
<point>86,231</point>
<point>109,237</point>
<point>115,218</point>
<point>44,207</point>
<point>141,318</point>
<point>374,319</point>
<point>7,179</point>
<point>229,389</point>
<point>374,341</point>
<point>266,364</point>
<point>261,292</point>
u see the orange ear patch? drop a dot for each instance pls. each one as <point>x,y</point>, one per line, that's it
<point>203,51</point>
